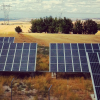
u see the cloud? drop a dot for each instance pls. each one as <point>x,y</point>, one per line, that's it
<point>52,7</point>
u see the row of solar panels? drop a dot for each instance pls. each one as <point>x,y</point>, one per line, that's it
<point>64,57</point>
<point>94,67</point>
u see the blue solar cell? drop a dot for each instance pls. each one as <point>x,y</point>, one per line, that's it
<point>95,46</point>
<point>25,52</point>
<point>53,53</point>
<point>19,45</point>
<point>85,67</point>
<point>12,45</point>
<point>60,59</point>
<point>75,53</point>
<point>96,79</point>
<point>77,68</point>
<point>6,46</point>
<point>32,53</point>
<point>68,59</point>
<point>53,67</point>
<point>10,59</point>
<point>53,60</point>
<point>69,68</point>
<point>26,45</point>
<point>61,68</point>
<point>24,59</point>
<point>88,46</point>
<point>17,59</point>
<point>93,57</point>
<point>60,53</point>
<point>1,45</point>
<point>96,50</point>
<point>67,46</point>
<point>18,52</point>
<point>82,52</point>
<point>2,59</point>
<point>67,53</point>
<point>81,46</point>
<point>75,59</point>
<point>31,67</point>
<point>15,67</point>
<point>74,46</point>
<point>60,46</point>
<point>31,60</point>
<point>99,55</point>
<point>89,50</point>
<point>4,52</point>
<point>98,92</point>
<point>1,67</point>
<point>95,68</point>
<point>6,39</point>
<point>83,59</point>
<point>33,46</point>
<point>1,39</point>
<point>53,46</point>
<point>11,39</point>
<point>23,67</point>
<point>8,67</point>
<point>11,52</point>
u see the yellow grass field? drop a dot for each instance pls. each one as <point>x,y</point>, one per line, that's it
<point>42,38</point>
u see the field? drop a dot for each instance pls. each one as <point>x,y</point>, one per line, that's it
<point>42,38</point>
<point>74,88</point>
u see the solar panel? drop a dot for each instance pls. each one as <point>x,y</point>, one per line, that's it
<point>94,67</point>
<point>72,56</point>
<point>18,57</point>
<point>7,39</point>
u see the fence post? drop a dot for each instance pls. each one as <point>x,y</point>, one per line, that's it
<point>49,92</point>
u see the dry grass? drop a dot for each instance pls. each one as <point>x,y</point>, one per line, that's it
<point>63,89</point>
<point>42,38</point>
<point>98,33</point>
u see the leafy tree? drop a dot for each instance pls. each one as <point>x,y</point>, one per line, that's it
<point>90,27</point>
<point>98,25</point>
<point>51,25</point>
<point>18,29</point>
<point>78,27</point>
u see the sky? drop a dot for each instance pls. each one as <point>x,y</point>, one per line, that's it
<point>55,8</point>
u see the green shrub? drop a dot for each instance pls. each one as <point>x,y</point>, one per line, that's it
<point>18,29</point>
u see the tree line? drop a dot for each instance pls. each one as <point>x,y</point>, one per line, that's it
<point>64,25</point>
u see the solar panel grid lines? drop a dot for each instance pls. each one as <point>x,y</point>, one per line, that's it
<point>7,39</point>
<point>21,56</point>
<point>71,57</point>
<point>18,57</point>
<point>13,58</point>
<point>79,57</point>
<point>64,57</point>
<point>28,57</point>
<point>35,59</point>
<point>71,54</point>
<point>57,56</point>
<point>94,67</point>
<point>6,58</point>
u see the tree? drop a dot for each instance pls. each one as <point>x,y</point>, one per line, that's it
<point>18,29</point>
<point>90,27</point>
<point>78,27</point>
<point>98,26</point>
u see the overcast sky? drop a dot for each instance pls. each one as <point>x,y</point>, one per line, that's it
<point>56,8</point>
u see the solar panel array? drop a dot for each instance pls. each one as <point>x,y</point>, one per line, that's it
<point>7,39</point>
<point>94,67</point>
<point>70,57</point>
<point>18,57</point>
